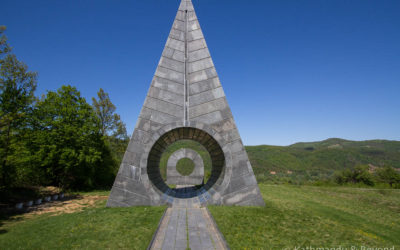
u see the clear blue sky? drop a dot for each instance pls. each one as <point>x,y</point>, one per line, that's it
<point>292,70</point>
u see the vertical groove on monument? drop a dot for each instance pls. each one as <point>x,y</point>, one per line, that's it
<point>185,101</point>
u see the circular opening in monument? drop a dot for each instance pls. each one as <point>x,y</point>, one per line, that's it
<point>185,166</point>
<point>179,138</point>
<point>185,144</point>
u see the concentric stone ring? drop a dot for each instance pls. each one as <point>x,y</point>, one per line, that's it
<point>175,178</point>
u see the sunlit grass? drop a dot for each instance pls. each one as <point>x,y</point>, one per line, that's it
<point>313,216</point>
<point>93,228</point>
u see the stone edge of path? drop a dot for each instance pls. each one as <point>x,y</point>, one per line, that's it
<point>153,239</point>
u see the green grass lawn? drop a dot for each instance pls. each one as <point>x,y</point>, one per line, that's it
<point>93,228</point>
<point>313,216</point>
<point>294,216</point>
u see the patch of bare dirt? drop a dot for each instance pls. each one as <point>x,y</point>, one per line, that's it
<point>68,205</point>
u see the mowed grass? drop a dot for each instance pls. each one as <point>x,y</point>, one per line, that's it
<point>93,228</point>
<point>313,216</point>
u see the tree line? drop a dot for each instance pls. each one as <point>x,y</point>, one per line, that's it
<point>362,174</point>
<point>58,139</point>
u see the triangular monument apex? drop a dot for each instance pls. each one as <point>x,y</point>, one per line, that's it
<point>185,102</point>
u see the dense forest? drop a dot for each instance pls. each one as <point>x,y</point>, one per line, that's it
<point>57,139</point>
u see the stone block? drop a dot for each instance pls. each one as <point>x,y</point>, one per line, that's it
<point>131,158</point>
<point>243,195</point>
<point>209,118</point>
<point>180,15</point>
<point>202,75</point>
<point>141,136</point>
<point>165,95</point>
<point>198,55</point>
<point>172,64</point>
<point>208,107</point>
<point>177,34</point>
<point>166,84</point>
<point>193,25</point>
<point>135,146</point>
<point>147,125</point>
<point>241,182</point>
<point>169,74</point>
<point>195,35</point>
<point>176,44</point>
<point>196,45</point>
<point>129,198</point>
<point>202,64</point>
<point>158,117</point>
<point>206,96</point>
<point>198,87</point>
<point>168,52</point>
<point>163,106</point>
<point>174,54</point>
<point>125,183</point>
<point>179,25</point>
<point>179,56</point>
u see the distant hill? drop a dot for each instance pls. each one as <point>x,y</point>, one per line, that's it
<point>316,160</point>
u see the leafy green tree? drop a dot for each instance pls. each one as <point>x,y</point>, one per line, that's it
<point>4,47</point>
<point>68,143</point>
<point>360,174</point>
<point>110,122</point>
<point>388,175</point>
<point>340,177</point>
<point>111,126</point>
<point>17,86</point>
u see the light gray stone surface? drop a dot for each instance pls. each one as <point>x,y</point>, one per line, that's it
<point>185,101</point>
<point>188,227</point>
<point>175,178</point>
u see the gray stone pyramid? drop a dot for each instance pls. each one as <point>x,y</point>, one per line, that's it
<point>185,102</point>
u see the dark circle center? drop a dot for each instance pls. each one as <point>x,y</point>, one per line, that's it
<point>185,166</point>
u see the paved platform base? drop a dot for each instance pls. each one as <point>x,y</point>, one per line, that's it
<point>187,227</point>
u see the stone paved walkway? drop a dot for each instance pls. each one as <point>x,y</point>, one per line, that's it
<point>188,227</point>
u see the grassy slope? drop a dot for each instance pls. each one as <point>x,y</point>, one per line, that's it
<point>320,159</point>
<point>316,216</point>
<point>93,228</point>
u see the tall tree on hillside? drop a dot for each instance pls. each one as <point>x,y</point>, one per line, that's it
<point>69,145</point>
<point>112,127</point>
<point>111,124</point>
<point>17,86</point>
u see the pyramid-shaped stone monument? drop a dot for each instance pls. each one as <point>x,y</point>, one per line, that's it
<point>185,102</point>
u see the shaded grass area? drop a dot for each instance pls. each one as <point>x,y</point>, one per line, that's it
<point>93,228</point>
<point>21,194</point>
<point>313,216</point>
